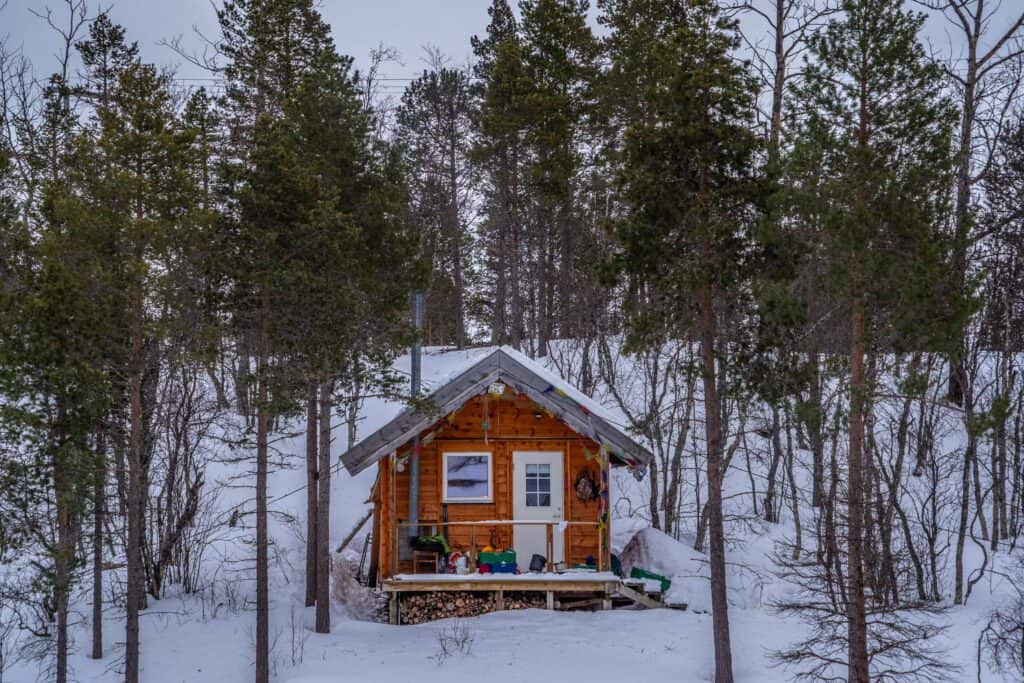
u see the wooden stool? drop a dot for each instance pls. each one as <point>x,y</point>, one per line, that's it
<point>424,559</point>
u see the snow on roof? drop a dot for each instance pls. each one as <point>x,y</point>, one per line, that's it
<point>452,378</point>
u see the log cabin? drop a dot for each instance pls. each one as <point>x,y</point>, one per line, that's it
<point>501,455</point>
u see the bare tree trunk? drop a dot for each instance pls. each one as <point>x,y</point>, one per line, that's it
<point>65,546</point>
<point>311,493</point>
<point>456,229</point>
<point>965,496</point>
<point>794,500</point>
<point>515,276</point>
<point>262,438</point>
<point>716,527</point>
<point>856,612</point>
<point>323,522</point>
<point>133,599</point>
<point>98,503</point>
<point>771,505</point>
<point>816,436</point>
<point>979,497</point>
<point>652,479</point>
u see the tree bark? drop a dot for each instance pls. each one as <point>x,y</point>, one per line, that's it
<point>323,523</point>
<point>134,507</point>
<point>262,434</point>
<point>716,528</point>
<point>856,612</point>
<point>311,493</point>
<point>65,550</point>
<point>98,503</point>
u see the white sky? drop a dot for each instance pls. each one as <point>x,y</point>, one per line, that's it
<point>358,26</point>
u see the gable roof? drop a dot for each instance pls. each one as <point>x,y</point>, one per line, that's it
<point>525,376</point>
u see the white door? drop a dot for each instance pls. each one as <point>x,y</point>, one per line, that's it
<point>537,495</point>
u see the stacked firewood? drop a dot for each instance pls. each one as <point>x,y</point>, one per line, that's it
<point>417,608</point>
<point>519,600</point>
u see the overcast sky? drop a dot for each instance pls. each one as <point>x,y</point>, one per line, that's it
<point>358,25</point>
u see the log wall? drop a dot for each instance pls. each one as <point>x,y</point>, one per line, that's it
<point>515,424</point>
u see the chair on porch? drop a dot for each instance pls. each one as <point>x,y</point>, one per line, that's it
<point>426,561</point>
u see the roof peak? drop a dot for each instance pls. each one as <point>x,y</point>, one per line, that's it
<point>523,374</point>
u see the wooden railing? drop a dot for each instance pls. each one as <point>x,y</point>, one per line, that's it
<point>399,537</point>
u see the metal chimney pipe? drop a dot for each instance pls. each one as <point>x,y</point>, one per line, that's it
<point>414,457</point>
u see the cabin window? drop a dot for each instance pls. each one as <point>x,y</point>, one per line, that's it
<point>538,485</point>
<point>468,478</point>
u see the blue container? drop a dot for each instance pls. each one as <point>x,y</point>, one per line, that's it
<point>503,567</point>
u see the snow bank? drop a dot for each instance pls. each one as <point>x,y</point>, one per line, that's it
<point>658,552</point>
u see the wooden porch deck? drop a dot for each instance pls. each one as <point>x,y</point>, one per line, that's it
<point>596,588</point>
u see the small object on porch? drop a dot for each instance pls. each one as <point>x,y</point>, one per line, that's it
<point>537,563</point>
<point>493,557</point>
<point>458,563</point>
<point>433,544</point>
<point>587,565</point>
<point>484,568</point>
<point>504,568</point>
<point>561,567</point>
<point>424,562</point>
<point>616,565</point>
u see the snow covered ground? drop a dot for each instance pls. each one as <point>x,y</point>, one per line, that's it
<point>209,637</point>
<point>526,645</point>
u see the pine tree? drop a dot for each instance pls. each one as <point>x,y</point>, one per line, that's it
<point>55,318</point>
<point>434,125</point>
<point>269,45</point>
<point>501,155</point>
<point>354,260</point>
<point>105,57</point>
<point>133,172</point>
<point>689,181</point>
<point>315,260</point>
<point>559,55</point>
<point>871,167</point>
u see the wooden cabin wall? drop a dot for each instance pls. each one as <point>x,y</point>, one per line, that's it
<point>514,425</point>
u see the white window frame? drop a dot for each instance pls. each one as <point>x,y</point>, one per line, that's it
<point>490,476</point>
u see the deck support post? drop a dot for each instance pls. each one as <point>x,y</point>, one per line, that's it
<point>393,609</point>
<point>550,545</point>
<point>551,600</point>
<point>606,601</point>
<point>500,599</point>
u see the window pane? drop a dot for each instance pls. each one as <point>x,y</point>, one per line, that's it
<point>467,476</point>
<point>545,500</point>
<point>531,484</point>
<point>544,484</point>
<point>544,469</point>
<point>531,500</point>
<point>531,469</point>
